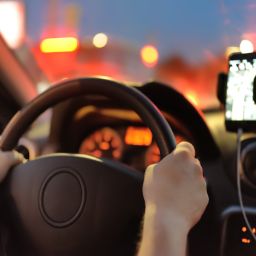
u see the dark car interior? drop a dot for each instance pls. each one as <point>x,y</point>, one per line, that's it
<point>95,117</point>
<point>88,141</point>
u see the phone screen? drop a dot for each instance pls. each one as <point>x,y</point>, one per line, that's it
<point>239,95</point>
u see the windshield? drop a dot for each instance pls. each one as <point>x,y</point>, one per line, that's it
<point>182,43</point>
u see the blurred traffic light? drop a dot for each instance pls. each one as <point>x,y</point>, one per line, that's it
<point>59,44</point>
<point>149,55</point>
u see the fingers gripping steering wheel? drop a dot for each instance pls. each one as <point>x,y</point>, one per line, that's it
<point>64,204</point>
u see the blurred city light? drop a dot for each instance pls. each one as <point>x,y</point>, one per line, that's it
<point>60,44</point>
<point>100,40</point>
<point>42,86</point>
<point>231,49</point>
<point>12,22</point>
<point>149,55</point>
<point>192,97</point>
<point>246,46</point>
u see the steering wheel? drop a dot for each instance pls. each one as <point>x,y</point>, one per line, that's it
<point>70,204</point>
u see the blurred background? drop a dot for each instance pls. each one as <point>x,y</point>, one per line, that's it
<point>182,43</point>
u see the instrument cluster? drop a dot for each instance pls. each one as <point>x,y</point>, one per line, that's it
<point>132,145</point>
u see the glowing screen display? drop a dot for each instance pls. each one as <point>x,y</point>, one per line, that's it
<point>239,100</point>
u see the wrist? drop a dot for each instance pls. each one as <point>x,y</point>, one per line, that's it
<point>163,234</point>
<point>166,221</point>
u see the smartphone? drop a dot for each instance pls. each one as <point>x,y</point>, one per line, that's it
<point>240,108</point>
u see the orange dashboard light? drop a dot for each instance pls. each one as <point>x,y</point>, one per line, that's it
<point>245,241</point>
<point>59,44</point>
<point>149,55</point>
<point>244,229</point>
<point>138,136</point>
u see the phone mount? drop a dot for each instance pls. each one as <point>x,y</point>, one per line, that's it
<point>254,90</point>
<point>222,87</point>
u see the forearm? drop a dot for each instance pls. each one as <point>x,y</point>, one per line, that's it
<point>162,235</point>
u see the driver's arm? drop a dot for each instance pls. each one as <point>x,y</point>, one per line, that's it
<point>7,160</point>
<point>175,198</point>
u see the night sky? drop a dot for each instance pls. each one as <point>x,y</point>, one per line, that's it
<point>194,29</point>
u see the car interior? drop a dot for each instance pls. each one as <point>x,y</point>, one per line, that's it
<point>90,121</point>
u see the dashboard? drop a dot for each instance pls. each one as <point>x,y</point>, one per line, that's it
<point>98,126</point>
<point>132,145</point>
<point>111,133</point>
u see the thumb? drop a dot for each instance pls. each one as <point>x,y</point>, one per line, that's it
<point>187,147</point>
<point>7,160</point>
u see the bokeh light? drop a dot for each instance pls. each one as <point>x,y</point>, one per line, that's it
<point>12,18</point>
<point>61,44</point>
<point>192,97</point>
<point>100,40</point>
<point>231,49</point>
<point>246,46</point>
<point>149,55</point>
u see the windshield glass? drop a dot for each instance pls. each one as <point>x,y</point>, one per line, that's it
<point>182,43</point>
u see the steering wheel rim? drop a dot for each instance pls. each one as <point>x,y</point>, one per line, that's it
<point>23,175</point>
<point>70,88</point>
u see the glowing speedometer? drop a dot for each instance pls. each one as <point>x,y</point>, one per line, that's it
<point>105,143</point>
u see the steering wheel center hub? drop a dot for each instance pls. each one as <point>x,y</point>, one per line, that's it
<point>62,197</point>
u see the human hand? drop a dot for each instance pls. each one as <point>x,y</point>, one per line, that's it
<point>175,187</point>
<point>7,160</point>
